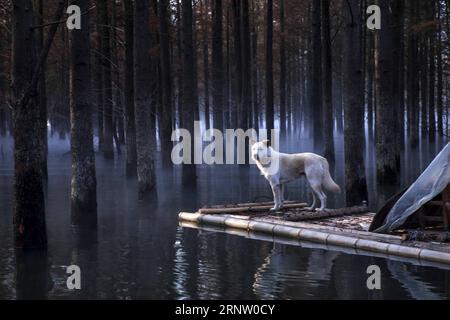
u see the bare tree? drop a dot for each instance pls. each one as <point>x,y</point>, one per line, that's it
<point>190,84</point>
<point>130,125</point>
<point>413,89</point>
<point>283,88</point>
<point>316,80</point>
<point>42,88</point>
<point>143,77</point>
<point>217,64</point>
<point>236,77</point>
<point>246,92</point>
<point>105,52</point>
<point>205,47</point>
<point>84,183</point>
<point>327,73</point>
<point>440,77</point>
<point>270,117</point>
<point>166,72</point>
<point>355,176</point>
<point>29,205</point>
<point>432,75</point>
<point>385,120</point>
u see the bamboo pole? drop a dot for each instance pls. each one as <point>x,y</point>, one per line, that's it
<point>250,204</point>
<point>378,243</point>
<point>347,249</point>
<point>248,209</point>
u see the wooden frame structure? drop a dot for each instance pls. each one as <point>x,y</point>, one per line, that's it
<point>442,203</point>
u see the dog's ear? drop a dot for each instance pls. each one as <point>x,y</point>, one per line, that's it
<point>266,143</point>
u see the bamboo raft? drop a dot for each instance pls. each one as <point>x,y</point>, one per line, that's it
<point>333,228</point>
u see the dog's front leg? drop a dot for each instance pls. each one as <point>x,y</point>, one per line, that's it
<point>276,190</point>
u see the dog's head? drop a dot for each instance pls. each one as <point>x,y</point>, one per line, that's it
<point>261,151</point>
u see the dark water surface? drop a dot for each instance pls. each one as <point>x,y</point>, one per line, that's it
<point>141,252</point>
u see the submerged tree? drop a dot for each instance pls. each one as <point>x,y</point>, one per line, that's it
<point>236,61</point>
<point>432,75</point>
<point>316,76</point>
<point>283,89</point>
<point>327,92</point>
<point>130,125</point>
<point>440,75</point>
<point>143,77</point>
<point>217,61</point>
<point>84,183</point>
<point>42,89</point>
<point>355,176</point>
<point>270,112</point>
<point>385,120</point>
<point>166,83</point>
<point>29,206</point>
<point>205,47</point>
<point>246,91</point>
<point>190,85</point>
<point>412,76</point>
<point>105,52</point>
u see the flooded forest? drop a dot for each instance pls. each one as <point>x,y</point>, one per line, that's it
<point>92,91</point>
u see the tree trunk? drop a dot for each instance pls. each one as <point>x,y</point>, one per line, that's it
<point>398,18</point>
<point>316,80</point>
<point>282,67</point>
<point>99,87</point>
<point>108,147</point>
<point>255,80</point>
<point>236,93</point>
<point>217,64</point>
<point>143,77</point>
<point>385,119</point>
<point>180,62</point>
<point>432,76</point>
<point>370,75</point>
<point>424,74</point>
<point>4,83</point>
<point>356,185</point>
<point>83,191</point>
<point>130,125</point>
<point>246,92</point>
<point>118,114</point>
<point>270,119</point>
<point>42,90</point>
<point>166,115</point>
<point>29,206</point>
<point>228,78</point>
<point>440,83</point>
<point>190,81</point>
<point>413,88</point>
<point>205,20</point>
<point>327,72</point>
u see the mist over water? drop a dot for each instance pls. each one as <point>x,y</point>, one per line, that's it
<point>140,252</point>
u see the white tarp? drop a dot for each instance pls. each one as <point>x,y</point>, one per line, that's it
<point>430,184</point>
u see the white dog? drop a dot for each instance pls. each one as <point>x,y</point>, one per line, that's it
<point>280,168</point>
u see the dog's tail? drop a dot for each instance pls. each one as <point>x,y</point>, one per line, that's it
<point>328,181</point>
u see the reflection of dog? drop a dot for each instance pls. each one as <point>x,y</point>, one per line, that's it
<point>290,167</point>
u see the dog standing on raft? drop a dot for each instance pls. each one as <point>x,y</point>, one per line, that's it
<point>290,167</point>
